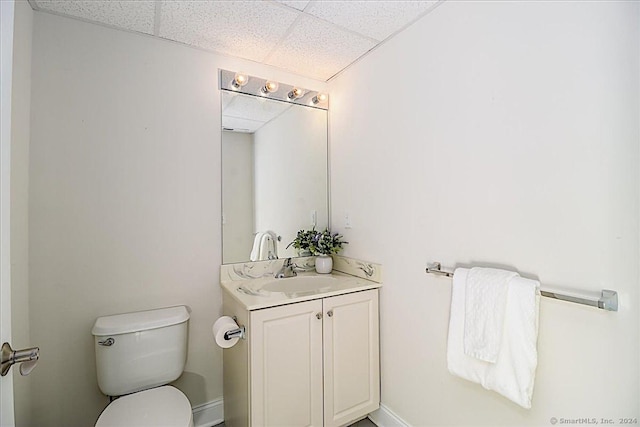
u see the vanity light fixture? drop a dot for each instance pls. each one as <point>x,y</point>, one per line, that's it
<point>269,87</point>
<point>295,93</point>
<point>243,83</point>
<point>239,80</point>
<point>320,98</point>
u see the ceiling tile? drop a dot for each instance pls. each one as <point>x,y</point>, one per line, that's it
<point>318,49</point>
<point>247,29</point>
<point>130,15</point>
<point>314,38</point>
<point>298,4</point>
<point>372,18</point>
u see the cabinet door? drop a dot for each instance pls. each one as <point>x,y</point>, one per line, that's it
<point>286,365</point>
<point>351,357</point>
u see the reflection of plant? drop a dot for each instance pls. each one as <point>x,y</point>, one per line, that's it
<point>318,243</point>
<point>303,240</point>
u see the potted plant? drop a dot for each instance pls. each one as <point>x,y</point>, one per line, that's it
<point>320,244</point>
<point>303,241</point>
<point>323,245</point>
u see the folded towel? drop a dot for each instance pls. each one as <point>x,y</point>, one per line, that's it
<point>513,373</point>
<point>485,302</point>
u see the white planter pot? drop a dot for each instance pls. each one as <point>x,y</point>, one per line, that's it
<point>324,264</point>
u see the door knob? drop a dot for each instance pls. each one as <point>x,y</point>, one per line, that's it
<point>318,316</point>
<point>10,357</point>
<point>330,313</point>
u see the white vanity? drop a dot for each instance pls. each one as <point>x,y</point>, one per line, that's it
<point>311,352</point>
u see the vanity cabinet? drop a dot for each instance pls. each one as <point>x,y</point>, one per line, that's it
<point>312,363</point>
<point>351,357</point>
<point>286,365</point>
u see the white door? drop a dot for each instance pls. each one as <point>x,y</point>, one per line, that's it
<point>351,357</point>
<point>286,365</point>
<point>6,62</point>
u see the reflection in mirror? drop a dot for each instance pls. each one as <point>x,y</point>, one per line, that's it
<point>274,176</point>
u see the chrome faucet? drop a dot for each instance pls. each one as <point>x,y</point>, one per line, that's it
<point>286,270</point>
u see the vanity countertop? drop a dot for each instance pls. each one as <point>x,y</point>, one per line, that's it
<point>265,292</point>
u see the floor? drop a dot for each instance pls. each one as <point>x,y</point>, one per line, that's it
<point>362,423</point>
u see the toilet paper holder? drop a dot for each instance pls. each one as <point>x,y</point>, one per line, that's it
<point>239,332</point>
<point>27,359</point>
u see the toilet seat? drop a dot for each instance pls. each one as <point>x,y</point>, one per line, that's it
<point>164,406</point>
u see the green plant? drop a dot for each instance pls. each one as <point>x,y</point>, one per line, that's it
<point>326,243</point>
<point>303,240</point>
<point>318,242</point>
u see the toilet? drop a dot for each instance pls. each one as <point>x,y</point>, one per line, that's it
<point>137,355</point>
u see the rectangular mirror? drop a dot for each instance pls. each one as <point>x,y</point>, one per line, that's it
<point>274,175</point>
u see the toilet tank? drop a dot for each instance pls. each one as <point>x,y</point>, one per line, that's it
<point>141,350</point>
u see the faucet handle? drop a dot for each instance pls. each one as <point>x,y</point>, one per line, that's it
<point>287,270</point>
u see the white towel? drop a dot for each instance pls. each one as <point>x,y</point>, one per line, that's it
<point>274,245</point>
<point>267,247</point>
<point>513,373</point>
<point>255,251</point>
<point>485,302</point>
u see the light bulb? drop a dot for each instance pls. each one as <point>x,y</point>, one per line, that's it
<point>320,98</point>
<point>269,87</point>
<point>295,93</point>
<point>240,80</point>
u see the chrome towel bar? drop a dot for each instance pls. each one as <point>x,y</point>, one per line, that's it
<point>608,299</point>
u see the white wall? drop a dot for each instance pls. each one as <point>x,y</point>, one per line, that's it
<point>20,134</point>
<point>291,174</point>
<point>237,196</point>
<point>124,206</point>
<point>498,133</point>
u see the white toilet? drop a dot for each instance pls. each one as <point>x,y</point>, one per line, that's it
<point>137,354</point>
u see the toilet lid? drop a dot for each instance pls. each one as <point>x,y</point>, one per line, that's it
<point>163,406</point>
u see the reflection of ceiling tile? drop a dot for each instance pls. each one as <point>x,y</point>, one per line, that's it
<point>318,49</point>
<point>260,109</point>
<point>315,38</point>
<point>245,29</point>
<point>373,18</point>
<point>130,15</point>
<point>244,113</point>
<point>227,97</point>
<point>240,125</point>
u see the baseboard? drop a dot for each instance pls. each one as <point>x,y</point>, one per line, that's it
<point>384,417</point>
<point>208,414</point>
<point>212,413</point>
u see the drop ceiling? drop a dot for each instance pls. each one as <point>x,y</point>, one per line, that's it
<point>317,38</point>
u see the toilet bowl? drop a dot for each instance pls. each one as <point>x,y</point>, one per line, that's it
<point>162,406</point>
<point>137,356</point>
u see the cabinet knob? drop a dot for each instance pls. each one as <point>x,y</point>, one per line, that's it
<point>330,313</point>
<point>318,316</point>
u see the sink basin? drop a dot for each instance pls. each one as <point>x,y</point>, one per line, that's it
<point>299,284</point>
<point>267,291</point>
<point>292,287</point>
